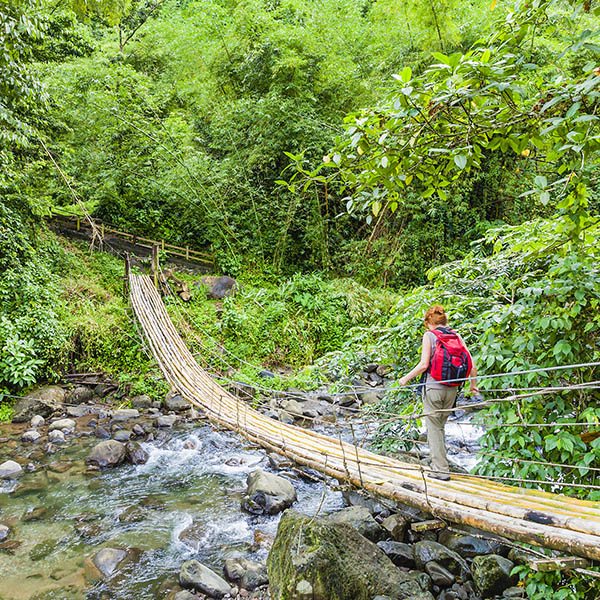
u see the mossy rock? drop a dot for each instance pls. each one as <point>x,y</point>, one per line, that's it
<point>332,561</point>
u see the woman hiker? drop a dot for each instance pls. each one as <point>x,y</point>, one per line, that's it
<point>445,357</point>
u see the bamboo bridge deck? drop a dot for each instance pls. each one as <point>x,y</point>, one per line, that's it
<point>530,516</point>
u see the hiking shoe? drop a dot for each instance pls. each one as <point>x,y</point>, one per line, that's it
<point>440,476</point>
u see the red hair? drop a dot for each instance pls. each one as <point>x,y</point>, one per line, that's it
<point>436,315</point>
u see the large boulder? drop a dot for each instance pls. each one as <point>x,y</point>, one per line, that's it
<point>267,493</point>
<point>317,559</point>
<point>247,574</point>
<point>360,518</point>
<point>218,287</point>
<point>109,453</point>
<point>491,574</point>
<point>43,401</point>
<point>196,576</point>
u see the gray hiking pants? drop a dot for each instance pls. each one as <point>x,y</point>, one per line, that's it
<point>435,399</point>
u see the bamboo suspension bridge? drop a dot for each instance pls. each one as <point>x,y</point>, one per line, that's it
<point>525,515</point>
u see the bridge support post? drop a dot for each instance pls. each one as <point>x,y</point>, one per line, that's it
<point>155,265</point>
<point>126,276</point>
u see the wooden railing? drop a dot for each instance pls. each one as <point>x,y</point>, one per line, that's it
<point>78,223</point>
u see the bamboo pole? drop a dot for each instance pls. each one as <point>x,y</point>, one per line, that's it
<point>572,525</point>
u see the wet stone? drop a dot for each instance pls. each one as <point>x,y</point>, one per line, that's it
<point>176,402</point>
<point>395,525</point>
<point>80,395</point>
<point>133,514</point>
<point>194,575</point>
<point>31,436</point>
<point>124,414</point>
<point>141,402</point>
<point>4,531</point>
<point>59,466</point>
<point>10,546</point>
<point>102,433</point>
<point>123,435</point>
<point>135,454</point>
<point>107,560</point>
<point>399,553</point>
<point>193,534</point>
<point>440,576</point>
<point>107,454</point>
<point>34,514</point>
<point>37,421</point>
<point>10,469</point>
<point>166,421</point>
<point>62,424</point>
<point>43,549</point>
<point>247,573</point>
<point>88,530</point>
<point>56,437</point>
<point>79,411</point>
<point>360,518</point>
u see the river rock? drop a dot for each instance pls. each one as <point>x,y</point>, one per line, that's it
<point>176,402</point>
<point>247,574</point>
<point>399,553</point>
<point>334,561</point>
<point>135,454</point>
<point>293,407</point>
<point>184,595</point>
<point>10,469</point>
<point>132,514</point>
<point>37,421</point>
<point>166,421</point>
<point>81,395</point>
<point>267,493</point>
<point>124,414</point>
<point>469,546</point>
<point>42,549</point>
<point>34,514</point>
<point>101,433</point>
<point>194,575</point>
<point>360,518</point>
<point>109,453</point>
<point>427,551</point>
<point>491,574</point>
<point>104,562</point>
<point>4,531</point>
<point>31,436</point>
<point>56,437</point>
<point>440,576</point>
<point>193,534</point>
<point>62,425</point>
<point>395,525</point>
<point>43,402</point>
<point>141,402</point>
<point>122,435</point>
<point>218,288</point>
<point>79,411</point>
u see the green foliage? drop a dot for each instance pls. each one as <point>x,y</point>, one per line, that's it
<point>556,585</point>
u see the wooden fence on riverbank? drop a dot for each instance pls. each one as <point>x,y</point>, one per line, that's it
<point>531,516</point>
<point>139,245</point>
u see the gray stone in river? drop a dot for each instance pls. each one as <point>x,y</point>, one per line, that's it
<point>267,493</point>
<point>142,401</point>
<point>427,551</point>
<point>124,414</point>
<point>123,435</point>
<point>491,574</point>
<point>184,595</point>
<point>196,576</point>
<point>133,514</point>
<point>175,401</point>
<point>62,424</point>
<point>31,436</point>
<point>193,534</point>
<point>56,437</point>
<point>42,549</point>
<point>399,553</point>
<point>166,421</point>
<point>34,514</point>
<point>10,469</point>
<point>335,561</point>
<point>79,411</point>
<point>135,454</point>
<point>107,560</point>
<point>360,518</point>
<point>440,576</point>
<point>101,432</point>
<point>247,573</point>
<point>4,531</point>
<point>37,421</point>
<point>108,453</point>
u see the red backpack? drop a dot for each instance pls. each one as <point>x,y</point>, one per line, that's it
<point>450,359</point>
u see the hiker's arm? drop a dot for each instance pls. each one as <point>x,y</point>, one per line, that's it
<point>473,389</point>
<point>423,363</point>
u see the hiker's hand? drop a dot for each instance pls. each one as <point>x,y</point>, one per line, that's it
<point>403,381</point>
<point>474,390</point>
